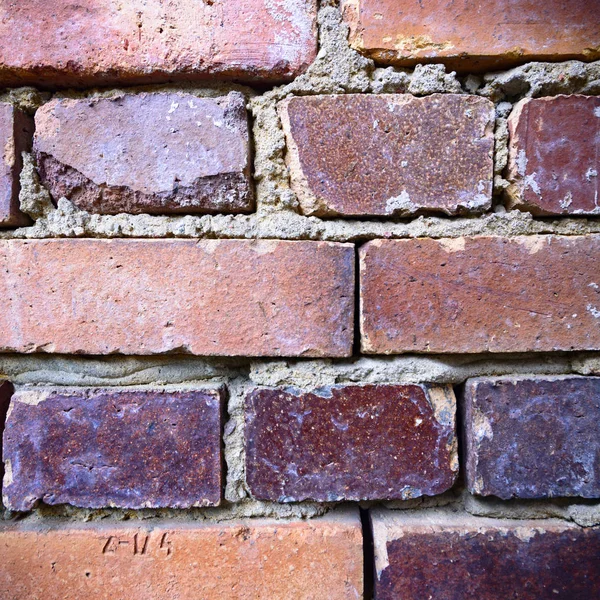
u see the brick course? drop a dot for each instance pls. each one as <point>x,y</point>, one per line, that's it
<point>367,442</point>
<point>250,559</point>
<point>533,437</point>
<point>207,297</point>
<point>480,294</point>
<point>127,449</point>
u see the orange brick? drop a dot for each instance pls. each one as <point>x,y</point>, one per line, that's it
<point>98,42</point>
<point>488,34</point>
<point>319,558</point>
<point>208,297</point>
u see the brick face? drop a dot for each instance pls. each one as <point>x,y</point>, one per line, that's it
<point>128,449</point>
<point>97,42</point>
<point>437,153</point>
<point>350,443</point>
<point>147,153</point>
<point>480,294</point>
<point>438,555</point>
<point>210,297</point>
<point>533,437</point>
<point>169,559</point>
<point>553,155</point>
<point>474,36</point>
<point>6,390</point>
<point>16,130</point>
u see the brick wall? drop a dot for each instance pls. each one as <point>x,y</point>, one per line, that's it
<point>300,299</point>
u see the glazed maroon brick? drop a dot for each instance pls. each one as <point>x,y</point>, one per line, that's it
<point>554,163</point>
<point>101,42</point>
<point>450,556</point>
<point>474,36</point>
<point>129,449</point>
<point>146,153</point>
<point>201,297</point>
<point>16,131</point>
<point>350,442</point>
<point>480,294</point>
<point>533,437</point>
<point>390,154</point>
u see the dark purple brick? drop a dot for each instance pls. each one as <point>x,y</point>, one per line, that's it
<point>453,557</point>
<point>533,437</point>
<point>6,390</point>
<point>129,449</point>
<point>350,442</point>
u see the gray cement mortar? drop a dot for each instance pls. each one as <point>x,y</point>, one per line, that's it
<point>337,70</point>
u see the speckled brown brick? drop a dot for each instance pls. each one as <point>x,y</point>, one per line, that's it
<point>533,437</point>
<point>391,154</point>
<point>202,297</point>
<point>146,153</point>
<point>101,42</point>
<point>256,559</point>
<point>16,130</point>
<point>474,36</point>
<point>432,554</point>
<point>553,162</point>
<point>6,390</point>
<point>480,294</point>
<point>129,449</point>
<point>350,442</point>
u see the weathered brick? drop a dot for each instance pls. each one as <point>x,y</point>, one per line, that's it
<point>553,160</point>
<point>6,390</point>
<point>366,442</point>
<point>431,554</point>
<point>16,130</point>
<point>100,42</point>
<point>207,297</point>
<point>533,437</point>
<point>146,153</point>
<point>391,154</point>
<point>129,449</point>
<point>473,35</point>
<point>250,559</point>
<point>480,294</point>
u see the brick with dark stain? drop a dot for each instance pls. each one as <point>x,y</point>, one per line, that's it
<point>6,391</point>
<point>553,161</point>
<point>391,154</point>
<point>16,131</point>
<point>350,442</point>
<point>128,449</point>
<point>533,437</point>
<point>147,153</point>
<point>536,293</point>
<point>449,556</point>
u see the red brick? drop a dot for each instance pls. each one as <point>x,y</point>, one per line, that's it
<point>480,294</point>
<point>553,161</point>
<point>6,390</point>
<point>103,447</point>
<point>533,437</point>
<point>254,559</point>
<point>100,42</point>
<point>16,129</point>
<point>146,153</point>
<point>432,554</point>
<point>207,297</point>
<point>390,154</point>
<point>484,35</point>
<point>368,442</point>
